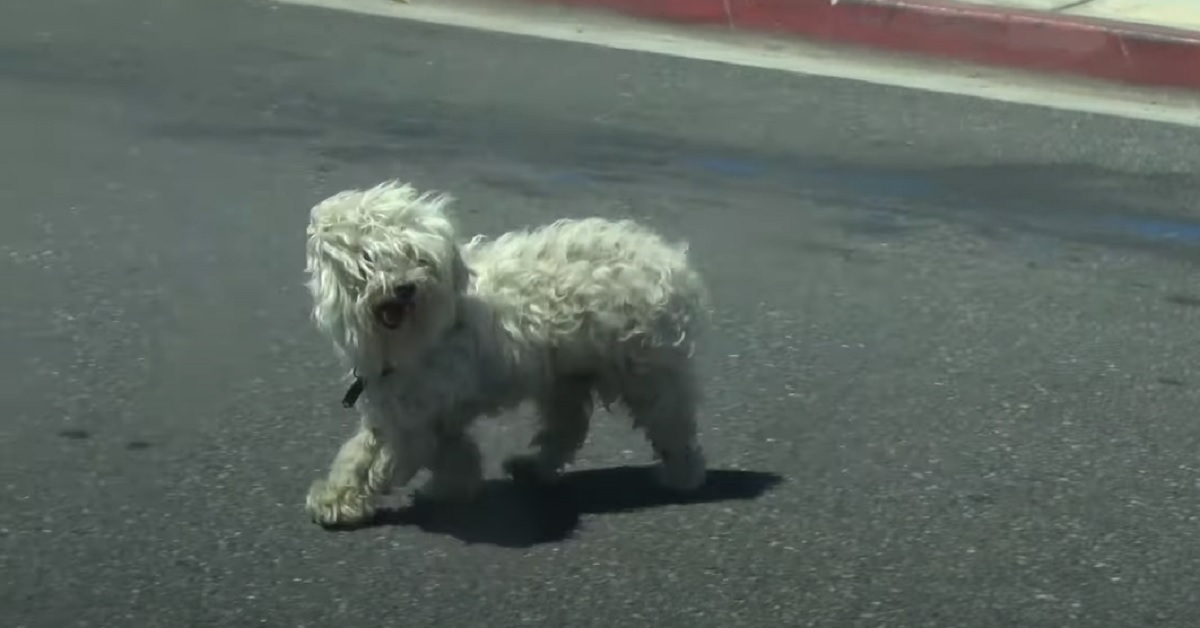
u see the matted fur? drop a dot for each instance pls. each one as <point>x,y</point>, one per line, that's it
<point>561,315</point>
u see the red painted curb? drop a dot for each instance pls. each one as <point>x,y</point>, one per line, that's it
<point>1116,51</point>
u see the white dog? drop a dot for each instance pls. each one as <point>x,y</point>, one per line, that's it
<point>440,332</point>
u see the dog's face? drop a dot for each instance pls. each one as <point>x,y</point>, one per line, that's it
<point>385,274</point>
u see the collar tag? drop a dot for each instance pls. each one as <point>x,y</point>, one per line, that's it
<point>356,388</point>
<point>353,393</point>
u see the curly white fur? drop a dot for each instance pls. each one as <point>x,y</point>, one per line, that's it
<point>562,314</point>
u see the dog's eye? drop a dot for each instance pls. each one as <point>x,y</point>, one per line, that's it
<point>404,292</point>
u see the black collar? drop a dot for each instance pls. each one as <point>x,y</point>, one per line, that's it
<point>356,388</point>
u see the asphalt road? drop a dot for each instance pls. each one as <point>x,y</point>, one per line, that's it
<point>952,383</point>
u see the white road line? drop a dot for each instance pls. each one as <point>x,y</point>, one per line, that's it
<point>609,31</point>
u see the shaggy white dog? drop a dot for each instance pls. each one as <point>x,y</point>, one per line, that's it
<point>440,332</point>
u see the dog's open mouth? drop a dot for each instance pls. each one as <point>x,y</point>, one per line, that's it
<point>391,313</point>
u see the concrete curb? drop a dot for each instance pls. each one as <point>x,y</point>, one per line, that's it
<point>1046,42</point>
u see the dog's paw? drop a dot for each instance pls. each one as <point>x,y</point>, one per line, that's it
<point>529,469</point>
<point>682,472</point>
<point>338,506</point>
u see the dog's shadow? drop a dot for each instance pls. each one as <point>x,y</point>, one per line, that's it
<point>514,514</point>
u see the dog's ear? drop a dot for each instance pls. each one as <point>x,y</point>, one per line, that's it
<point>459,273</point>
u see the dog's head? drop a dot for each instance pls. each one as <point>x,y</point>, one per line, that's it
<point>385,273</point>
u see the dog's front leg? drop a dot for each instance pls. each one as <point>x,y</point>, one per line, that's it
<point>361,471</point>
<point>565,411</point>
<point>457,468</point>
<point>366,467</point>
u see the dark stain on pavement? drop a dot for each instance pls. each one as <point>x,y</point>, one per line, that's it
<point>75,434</point>
<point>1185,300</point>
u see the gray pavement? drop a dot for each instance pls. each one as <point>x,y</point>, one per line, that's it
<point>953,380</point>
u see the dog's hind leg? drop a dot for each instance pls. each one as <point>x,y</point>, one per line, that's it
<point>663,403</point>
<point>457,468</point>
<point>564,414</point>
